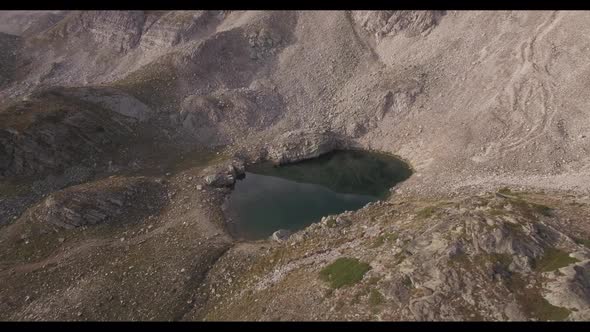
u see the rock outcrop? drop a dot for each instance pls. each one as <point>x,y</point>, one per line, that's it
<point>114,199</point>
<point>281,235</point>
<point>298,145</point>
<point>471,258</point>
<point>224,175</point>
<point>51,133</point>
<point>391,22</point>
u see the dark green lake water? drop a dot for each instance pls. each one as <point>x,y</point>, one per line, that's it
<point>293,196</point>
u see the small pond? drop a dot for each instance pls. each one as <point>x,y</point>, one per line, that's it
<point>293,196</point>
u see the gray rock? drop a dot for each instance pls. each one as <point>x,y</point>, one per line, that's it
<point>281,235</point>
<point>73,136</point>
<point>220,180</point>
<point>342,221</point>
<point>300,145</point>
<point>224,175</point>
<point>98,202</point>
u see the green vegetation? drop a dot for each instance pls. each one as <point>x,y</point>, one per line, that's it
<point>503,260</point>
<point>584,242</point>
<point>381,239</point>
<point>541,309</point>
<point>376,298</point>
<point>460,259</point>
<point>426,212</point>
<point>532,303</point>
<point>406,281</point>
<point>525,207</point>
<point>553,260</point>
<point>331,223</point>
<point>431,210</point>
<point>399,257</point>
<point>509,192</point>
<point>497,212</point>
<point>530,209</point>
<point>373,280</point>
<point>344,271</point>
<point>541,209</point>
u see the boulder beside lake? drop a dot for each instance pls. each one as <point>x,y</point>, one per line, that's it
<point>281,235</point>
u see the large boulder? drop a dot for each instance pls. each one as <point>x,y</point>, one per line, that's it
<point>281,235</point>
<point>225,175</point>
<point>297,145</point>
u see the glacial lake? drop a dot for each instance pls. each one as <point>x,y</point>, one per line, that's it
<point>296,195</point>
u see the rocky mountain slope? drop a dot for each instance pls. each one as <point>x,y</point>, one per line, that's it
<point>111,121</point>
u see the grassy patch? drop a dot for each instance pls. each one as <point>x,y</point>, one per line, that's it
<point>373,280</point>
<point>344,271</point>
<point>376,298</point>
<point>503,260</point>
<point>532,303</point>
<point>514,228</point>
<point>426,212</point>
<point>497,212</point>
<point>510,192</point>
<point>553,260</point>
<point>406,281</point>
<point>541,309</point>
<point>584,242</point>
<point>331,223</point>
<point>432,210</point>
<point>399,258</point>
<point>542,209</point>
<point>530,209</point>
<point>460,259</point>
<point>482,260</point>
<point>381,239</point>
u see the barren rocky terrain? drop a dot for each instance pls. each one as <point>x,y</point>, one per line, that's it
<point>121,134</point>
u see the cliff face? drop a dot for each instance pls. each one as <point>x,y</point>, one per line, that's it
<point>472,100</point>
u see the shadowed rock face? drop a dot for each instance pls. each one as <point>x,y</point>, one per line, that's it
<point>391,22</point>
<point>114,199</point>
<point>9,53</point>
<point>52,132</point>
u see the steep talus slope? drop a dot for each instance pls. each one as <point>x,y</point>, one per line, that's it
<point>468,92</point>
<point>494,107</point>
